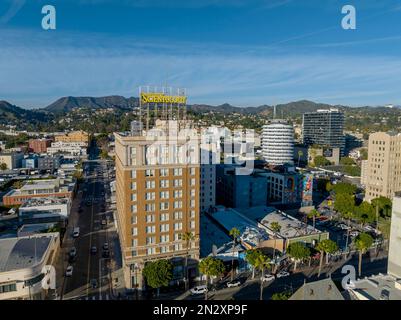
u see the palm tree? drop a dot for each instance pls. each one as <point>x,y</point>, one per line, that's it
<point>300,154</point>
<point>325,246</point>
<point>262,262</point>
<point>211,267</point>
<point>250,257</point>
<point>276,228</point>
<point>235,233</point>
<point>188,237</point>
<point>312,215</point>
<point>362,243</point>
<point>348,216</point>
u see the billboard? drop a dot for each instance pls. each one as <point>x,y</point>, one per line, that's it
<point>307,190</point>
<point>162,98</point>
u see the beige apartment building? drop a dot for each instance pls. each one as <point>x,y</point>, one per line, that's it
<point>157,193</point>
<point>74,136</point>
<point>382,172</point>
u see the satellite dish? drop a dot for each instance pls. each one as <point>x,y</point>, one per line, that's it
<point>214,250</point>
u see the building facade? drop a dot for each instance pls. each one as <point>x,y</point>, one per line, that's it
<point>394,254</point>
<point>74,136</point>
<point>324,128</point>
<point>12,160</point>
<point>157,195</point>
<point>39,145</point>
<point>382,175</point>
<point>278,143</point>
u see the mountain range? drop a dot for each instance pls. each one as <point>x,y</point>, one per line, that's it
<point>11,114</point>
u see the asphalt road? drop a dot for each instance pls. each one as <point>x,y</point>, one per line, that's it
<point>89,209</point>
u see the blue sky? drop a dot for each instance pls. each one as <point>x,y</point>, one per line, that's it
<point>244,52</point>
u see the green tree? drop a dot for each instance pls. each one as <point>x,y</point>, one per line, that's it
<point>158,273</point>
<point>300,154</point>
<point>262,262</point>
<point>104,154</point>
<point>382,206</point>
<point>299,252</point>
<point>250,257</point>
<point>362,243</point>
<point>348,215</point>
<point>327,247</point>
<point>281,296</point>
<point>234,233</point>
<point>365,213</point>
<point>313,214</point>
<point>210,267</point>
<point>344,203</point>
<point>321,161</point>
<point>188,237</point>
<point>364,154</point>
<point>347,161</point>
<point>344,188</point>
<point>3,166</point>
<point>353,171</point>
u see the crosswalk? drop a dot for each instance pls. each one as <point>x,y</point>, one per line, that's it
<point>96,297</point>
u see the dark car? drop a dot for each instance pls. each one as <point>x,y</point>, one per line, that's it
<point>106,254</point>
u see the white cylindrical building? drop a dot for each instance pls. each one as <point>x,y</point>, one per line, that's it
<point>278,143</point>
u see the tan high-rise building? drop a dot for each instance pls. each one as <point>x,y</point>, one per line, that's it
<point>382,173</point>
<point>157,193</point>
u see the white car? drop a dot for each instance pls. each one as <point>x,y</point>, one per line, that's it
<point>369,228</point>
<point>354,233</point>
<point>282,274</point>
<point>198,290</point>
<point>267,277</point>
<point>343,226</point>
<point>68,272</point>
<point>234,283</point>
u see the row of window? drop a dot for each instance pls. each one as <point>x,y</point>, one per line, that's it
<point>163,249</point>
<point>151,207</point>
<point>164,172</point>
<point>165,227</point>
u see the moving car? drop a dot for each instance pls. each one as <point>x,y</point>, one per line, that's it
<point>234,283</point>
<point>75,233</point>
<point>198,290</point>
<point>93,250</point>
<point>68,271</point>
<point>106,254</point>
<point>73,252</point>
<point>283,274</point>
<point>267,277</point>
<point>104,222</point>
<point>106,246</point>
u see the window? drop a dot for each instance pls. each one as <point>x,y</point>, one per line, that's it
<point>164,227</point>
<point>192,171</point>
<point>177,215</point>
<point>150,240</point>
<point>164,249</point>
<point>150,207</point>
<point>177,236</point>
<point>178,183</point>
<point>193,181</point>
<point>133,196</point>
<point>150,229</point>
<point>133,174</point>
<point>192,224</point>
<point>164,172</point>
<point>192,203</point>
<point>163,205</point>
<point>134,219</point>
<point>177,193</point>
<point>164,238</point>
<point>178,246</point>
<point>134,208</point>
<point>150,173</point>
<point>150,251</point>
<point>133,185</point>
<point>134,253</point>
<point>164,217</point>
<point>134,231</point>
<point>178,226</point>
<point>163,183</point>
<point>178,171</point>
<point>177,204</point>
<point>150,218</point>
<point>8,288</point>
<point>135,242</point>
<point>192,214</point>
<point>193,193</point>
<point>150,196</point>
<point>150,184</point>
<point>164,195</point>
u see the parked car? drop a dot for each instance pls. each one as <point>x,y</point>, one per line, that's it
<point>234,283</point>
<point>369,228</point>
<point>106,246</point>
<point>106,254</point>
<point>104,222</point>
<point>282,274</point>
<point>75,233</point>
<point>94,250</point>
<point>354,233</point>
<point>68,271</point>
<point>343,226</point>
<point>267,278</point>
<point>198,290</point>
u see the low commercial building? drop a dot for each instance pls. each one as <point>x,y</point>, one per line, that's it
<point>68,149</point>
<point>44,210</point>
<point>318,290</point>
<point>13,160</point>
<point>23,265</point>
<point>331,154</point>
<point>49,163</point>
<point>60,188</point>
<point>30,162</point>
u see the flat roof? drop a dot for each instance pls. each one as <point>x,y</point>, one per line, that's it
<point>24,252</point>
<point>290,226</point>
<point>377,287</point>
<point>34,202</point>
<point>210,234</point>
